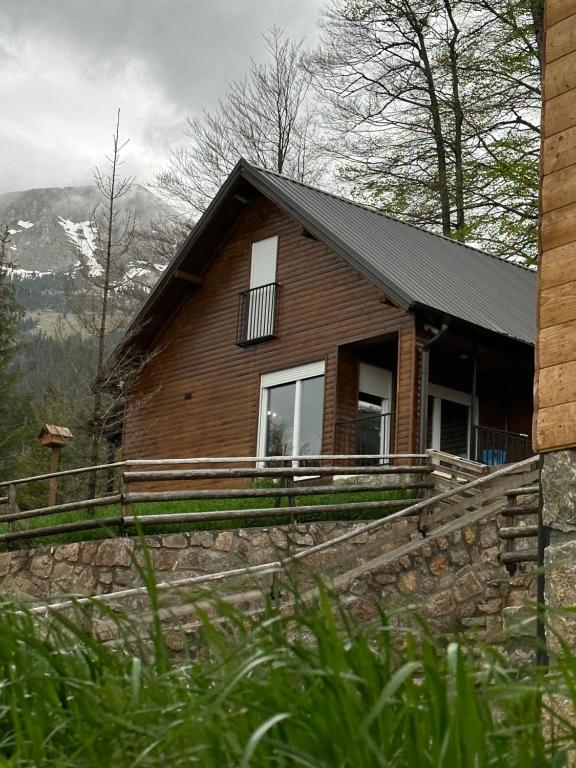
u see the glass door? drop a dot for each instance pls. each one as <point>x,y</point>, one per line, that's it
<point>449,421</point>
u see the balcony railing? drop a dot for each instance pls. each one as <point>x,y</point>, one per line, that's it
<point>364,435</point>
<point>497,446</point>
<point>257,314</point>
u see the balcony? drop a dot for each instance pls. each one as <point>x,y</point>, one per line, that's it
<point>257,314</point>
<point>497,446</point>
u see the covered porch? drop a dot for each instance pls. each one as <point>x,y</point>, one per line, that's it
<point>460,391</point>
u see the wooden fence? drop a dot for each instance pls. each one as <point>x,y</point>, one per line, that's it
<point>487,491</point>
<point>285,478</point>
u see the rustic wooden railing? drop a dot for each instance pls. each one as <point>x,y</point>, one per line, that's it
<point>445,519</point>
<point>291,481</point>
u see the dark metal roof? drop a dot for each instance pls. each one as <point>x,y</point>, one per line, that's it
<point>413,266</point>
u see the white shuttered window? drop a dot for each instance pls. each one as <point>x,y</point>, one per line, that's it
<point>262,298</point>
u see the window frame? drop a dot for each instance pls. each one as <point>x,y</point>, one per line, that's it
<point>296,376</point>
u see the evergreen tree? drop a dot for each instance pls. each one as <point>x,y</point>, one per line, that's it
<point>10,314</point>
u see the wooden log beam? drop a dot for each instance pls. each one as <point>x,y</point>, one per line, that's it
<point>519,556</point>
<point>248,514</point>
<point>519,532</point>
<point>57,508</point>
<point>209,460</point>
<point>332,457</point>
<point>527,491</point>
<point>521,509</point>
<point>249,493</point>
<point>213,474</point>
<point>179,274</point>
<point>52,530</point>
<point>65,473</point>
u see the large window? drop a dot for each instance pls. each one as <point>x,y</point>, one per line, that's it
<point>291,411</point>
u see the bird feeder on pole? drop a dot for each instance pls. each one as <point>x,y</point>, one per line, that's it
<point>55,438</point>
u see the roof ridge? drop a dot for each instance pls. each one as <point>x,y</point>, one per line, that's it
<point>372,209</point>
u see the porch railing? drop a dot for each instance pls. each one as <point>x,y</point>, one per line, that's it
<point>498,446</point>
<point>365,435</point>
<point>257,312</point>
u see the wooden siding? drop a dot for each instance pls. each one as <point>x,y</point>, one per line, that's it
<point>555,391</point>
<point>346,394</point>
<point>199,394</point>
<point>407,388</point>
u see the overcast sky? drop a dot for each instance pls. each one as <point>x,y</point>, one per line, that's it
<point>67,65</point>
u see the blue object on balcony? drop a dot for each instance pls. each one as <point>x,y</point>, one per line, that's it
<point>494,456</point>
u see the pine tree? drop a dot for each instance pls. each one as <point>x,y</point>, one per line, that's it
<point>10,314</point>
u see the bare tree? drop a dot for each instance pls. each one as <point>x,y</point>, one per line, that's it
<point>265,118</point>
<point>100,291</point>
<point>429,104</point>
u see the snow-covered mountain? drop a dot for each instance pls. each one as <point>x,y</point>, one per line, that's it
<point>48,225</point>
<point>51,233</point>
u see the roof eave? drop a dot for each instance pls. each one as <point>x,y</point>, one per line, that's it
<point>419,306</point>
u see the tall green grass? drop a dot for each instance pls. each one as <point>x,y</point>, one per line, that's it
<point>312,688</point>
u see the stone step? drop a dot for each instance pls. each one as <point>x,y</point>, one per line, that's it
<point>518,532</point>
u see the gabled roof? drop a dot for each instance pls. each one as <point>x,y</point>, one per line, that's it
<point>415,268</point>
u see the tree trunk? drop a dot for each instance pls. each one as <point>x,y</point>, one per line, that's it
<point>97,415</point>
<point>537,7</point>
<point>458,122</point>
<point>439,140</point>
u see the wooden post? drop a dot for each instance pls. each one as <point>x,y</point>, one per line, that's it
<point>55,453</point>
<point>110,457</point>
<point>12,509</point>
<point>125,509</point>
<point>54,437</point>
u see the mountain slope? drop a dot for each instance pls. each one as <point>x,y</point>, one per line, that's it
<point>42,222</point>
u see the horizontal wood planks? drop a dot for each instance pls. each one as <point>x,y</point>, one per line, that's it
<point>407,387</point>
<point>200,393</point>
<point>555,415</point>
<point>557,10</point>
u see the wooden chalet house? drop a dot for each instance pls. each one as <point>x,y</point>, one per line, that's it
<point>294,322</point>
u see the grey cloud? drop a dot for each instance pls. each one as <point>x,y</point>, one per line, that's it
<point>166,59</point>
<point>192,47</point>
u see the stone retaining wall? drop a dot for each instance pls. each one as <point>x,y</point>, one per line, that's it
<point>454,582</point>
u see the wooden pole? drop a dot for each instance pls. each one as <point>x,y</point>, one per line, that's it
<point>12,508</point>
<point>55,452</point>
